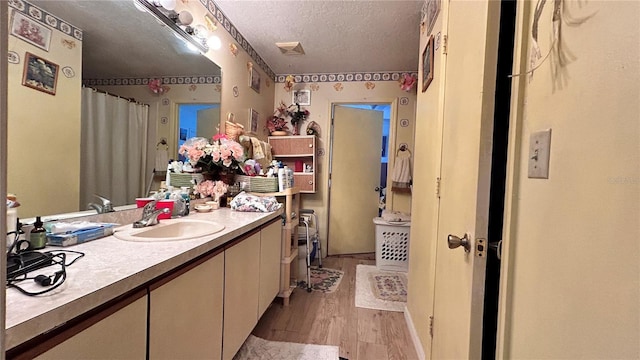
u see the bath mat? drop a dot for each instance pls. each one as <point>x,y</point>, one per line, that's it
<point>365,296</point>
<point>389,287</point>
<point>255,348</point>
<point>322,279</point>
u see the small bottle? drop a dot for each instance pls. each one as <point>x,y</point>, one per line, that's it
<point>38,236</point>
<point>290,178</point>
<point>287,177</point>
<point>281,179</point>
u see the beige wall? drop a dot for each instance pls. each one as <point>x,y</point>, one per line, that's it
<point>572,245</point>
<point>235,73</point>
<point>428,134</point>
<point>323,94</point>
<point>571,274</point>
<point>44,131</point>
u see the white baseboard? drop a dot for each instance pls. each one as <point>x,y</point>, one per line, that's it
<point>414,334</point>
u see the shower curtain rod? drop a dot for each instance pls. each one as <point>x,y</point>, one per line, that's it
<point>133,100</point>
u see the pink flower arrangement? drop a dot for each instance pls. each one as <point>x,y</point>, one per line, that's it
<point>407,81</point>
<point>211,188</point>
<point>156,87</point>
<point>220,153</point>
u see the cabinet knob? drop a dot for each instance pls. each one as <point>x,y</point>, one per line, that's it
<point>310,182</point>
<point>310,145</point>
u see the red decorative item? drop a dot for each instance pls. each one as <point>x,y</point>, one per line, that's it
<point>156,87</point>
<point>407,81</point>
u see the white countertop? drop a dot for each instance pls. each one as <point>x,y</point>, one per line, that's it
<point>110,268</point>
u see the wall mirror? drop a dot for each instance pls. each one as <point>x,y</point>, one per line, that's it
<point>120,42</point>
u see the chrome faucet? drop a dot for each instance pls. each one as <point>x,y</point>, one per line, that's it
<point>101,209</point>
<point>150,215</point>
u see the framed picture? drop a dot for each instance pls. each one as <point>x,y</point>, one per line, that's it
<point>254,79</point>
<point>40,74</point>
<point>431,8</point>
<point>301,97</point>
<point>427,64</point>
<point>30,31</point>
<point>253,121</point>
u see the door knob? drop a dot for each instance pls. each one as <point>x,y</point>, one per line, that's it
<point>455,242</point>
<point>377,188</point>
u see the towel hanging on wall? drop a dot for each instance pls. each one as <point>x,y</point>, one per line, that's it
<point>401,176</point>
<point>162,156</point>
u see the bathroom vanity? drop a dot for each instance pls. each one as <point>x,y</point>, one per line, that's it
<point>194,298</point>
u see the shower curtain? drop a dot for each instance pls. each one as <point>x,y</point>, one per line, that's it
<point>113,158</point>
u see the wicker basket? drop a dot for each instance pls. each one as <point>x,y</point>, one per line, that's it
<point>184,179</point>
<point>233,130</point>
<point>258,184</point>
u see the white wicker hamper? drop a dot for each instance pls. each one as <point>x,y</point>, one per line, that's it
<point>392,245</point>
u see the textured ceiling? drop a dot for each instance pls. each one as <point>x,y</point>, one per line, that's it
<point>337,36</point>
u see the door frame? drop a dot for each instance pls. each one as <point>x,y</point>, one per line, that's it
<point>4,39</point>
<point>515,140</point>
<point>174,123</point>
<point>393,122</point>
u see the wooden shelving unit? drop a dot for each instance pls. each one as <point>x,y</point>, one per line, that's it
<point>301,149</point>
<point>289,251</point>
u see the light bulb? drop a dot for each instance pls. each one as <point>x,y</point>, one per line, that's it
<point>185,17</point>
<point>200,32</point>
<point>168,4</point>
<point>214,42</point>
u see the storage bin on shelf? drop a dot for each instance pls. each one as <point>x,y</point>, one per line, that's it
<point>258,184</point>
<point>392,244</point>
<point>184,179</point>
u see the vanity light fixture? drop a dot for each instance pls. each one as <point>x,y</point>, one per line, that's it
<point>166,17</point>
<point>182,18</point>
<point>214,42</point>
<point>167,4</point>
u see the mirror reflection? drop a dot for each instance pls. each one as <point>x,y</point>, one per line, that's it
<point>161,91</point>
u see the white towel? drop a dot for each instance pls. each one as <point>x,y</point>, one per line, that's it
<point>162,159</point>
<point>401,175</point>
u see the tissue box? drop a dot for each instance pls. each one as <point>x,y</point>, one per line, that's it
<point>79,236</point>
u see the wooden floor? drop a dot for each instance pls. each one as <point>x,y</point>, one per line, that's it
<point>333,319</point>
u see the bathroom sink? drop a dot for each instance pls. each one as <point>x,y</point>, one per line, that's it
<point>170,230</point>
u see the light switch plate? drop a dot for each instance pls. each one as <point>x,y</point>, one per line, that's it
<point>539,151</point>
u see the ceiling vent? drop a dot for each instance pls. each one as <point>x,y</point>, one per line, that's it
<point>291,48</point>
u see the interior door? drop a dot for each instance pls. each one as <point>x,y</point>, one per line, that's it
<point>207,122</point>
<point>354,177</point>
<point>465,178</point>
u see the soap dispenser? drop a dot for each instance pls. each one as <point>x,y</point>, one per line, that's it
<point>37,236</point>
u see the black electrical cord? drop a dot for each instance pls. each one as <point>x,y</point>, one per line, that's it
<point>53,257</point>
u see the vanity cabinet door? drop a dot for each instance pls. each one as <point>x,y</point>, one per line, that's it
<point>270,248</point>
<point>120,335</point>
<point>185,317</point>
<point>241,288</point>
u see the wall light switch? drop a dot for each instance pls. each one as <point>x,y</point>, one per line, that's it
<point>539,151</point>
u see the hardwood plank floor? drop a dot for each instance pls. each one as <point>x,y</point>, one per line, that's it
<point>333,319</point>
